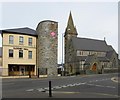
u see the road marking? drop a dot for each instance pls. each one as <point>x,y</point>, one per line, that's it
<point>90,84</point>
<point>30,90</point>
<point>101,85</point>
<point>57,87</point>
<point>64,92</point>
<point>64,86</point>
<point>41,90</point>
<point>8,83</point>
<point>46,88</point>
<point>110,86</point>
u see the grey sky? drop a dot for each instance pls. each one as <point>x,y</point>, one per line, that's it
<point>92,19</point>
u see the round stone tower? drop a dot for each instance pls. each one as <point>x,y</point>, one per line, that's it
<point>47,44</point>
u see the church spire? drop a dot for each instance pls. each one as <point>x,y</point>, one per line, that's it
<point>70,29</point>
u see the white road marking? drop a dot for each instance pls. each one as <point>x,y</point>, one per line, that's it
<point>57,87</point>
<point>30,90</point>
<point>41,90</point>
<point>71,85</point>
<point>46,88</point>
<point>110,86</point>
<point>90,84</point>
<point>101,85</point>
<point>64,86</point>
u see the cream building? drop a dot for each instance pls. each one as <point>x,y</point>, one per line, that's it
<point>19,51</point>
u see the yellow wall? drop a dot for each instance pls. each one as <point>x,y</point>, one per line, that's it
<point>16,60</point>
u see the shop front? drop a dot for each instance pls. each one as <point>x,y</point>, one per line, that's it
<point>21,70</point>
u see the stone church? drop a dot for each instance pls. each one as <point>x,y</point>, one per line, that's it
<point>85,55</point>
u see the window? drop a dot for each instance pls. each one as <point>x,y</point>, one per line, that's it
<point>20,53</point>
<point>10,53</point>
<point>21,40</point>
<point>10,39</point>
<point>30,54</point>
<point>30,41</point>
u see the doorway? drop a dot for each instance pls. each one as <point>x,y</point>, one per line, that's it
<point>94,67</point>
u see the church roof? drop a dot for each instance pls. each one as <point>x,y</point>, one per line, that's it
<point>89,44</point>
<point>25,31</point>
<point>103,59</point>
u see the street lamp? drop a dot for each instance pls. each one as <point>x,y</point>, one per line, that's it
<point>62,56</point>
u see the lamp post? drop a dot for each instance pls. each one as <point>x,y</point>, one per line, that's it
<point>62,56</point>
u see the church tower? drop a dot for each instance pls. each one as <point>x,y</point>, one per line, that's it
<point>70,53</point>
<point>70,29</point>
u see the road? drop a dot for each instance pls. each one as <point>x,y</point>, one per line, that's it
<point>89,86</point>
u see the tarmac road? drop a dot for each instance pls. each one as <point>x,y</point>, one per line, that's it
<point>88,86</point>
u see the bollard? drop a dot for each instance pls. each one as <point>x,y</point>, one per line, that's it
<point>38,72</point>
<point>50,90</point>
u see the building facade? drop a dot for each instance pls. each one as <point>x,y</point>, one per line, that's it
<point>87,56</point>
<point>18,52</point>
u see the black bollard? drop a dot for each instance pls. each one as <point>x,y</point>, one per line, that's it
<point>38,72</point>
<point>50,90</point>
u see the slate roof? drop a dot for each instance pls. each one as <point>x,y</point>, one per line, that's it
<point>110,48</point>
<point>89,44</point>
<point>25,31</point>
<point>109,54</point>
<point>102,59</point>
<point>0,51</point>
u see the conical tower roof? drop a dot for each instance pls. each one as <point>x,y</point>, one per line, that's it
<point>70,29</point>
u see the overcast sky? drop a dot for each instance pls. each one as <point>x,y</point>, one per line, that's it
<point>94,20</point>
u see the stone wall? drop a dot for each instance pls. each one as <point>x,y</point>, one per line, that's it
<point>47,44</point>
